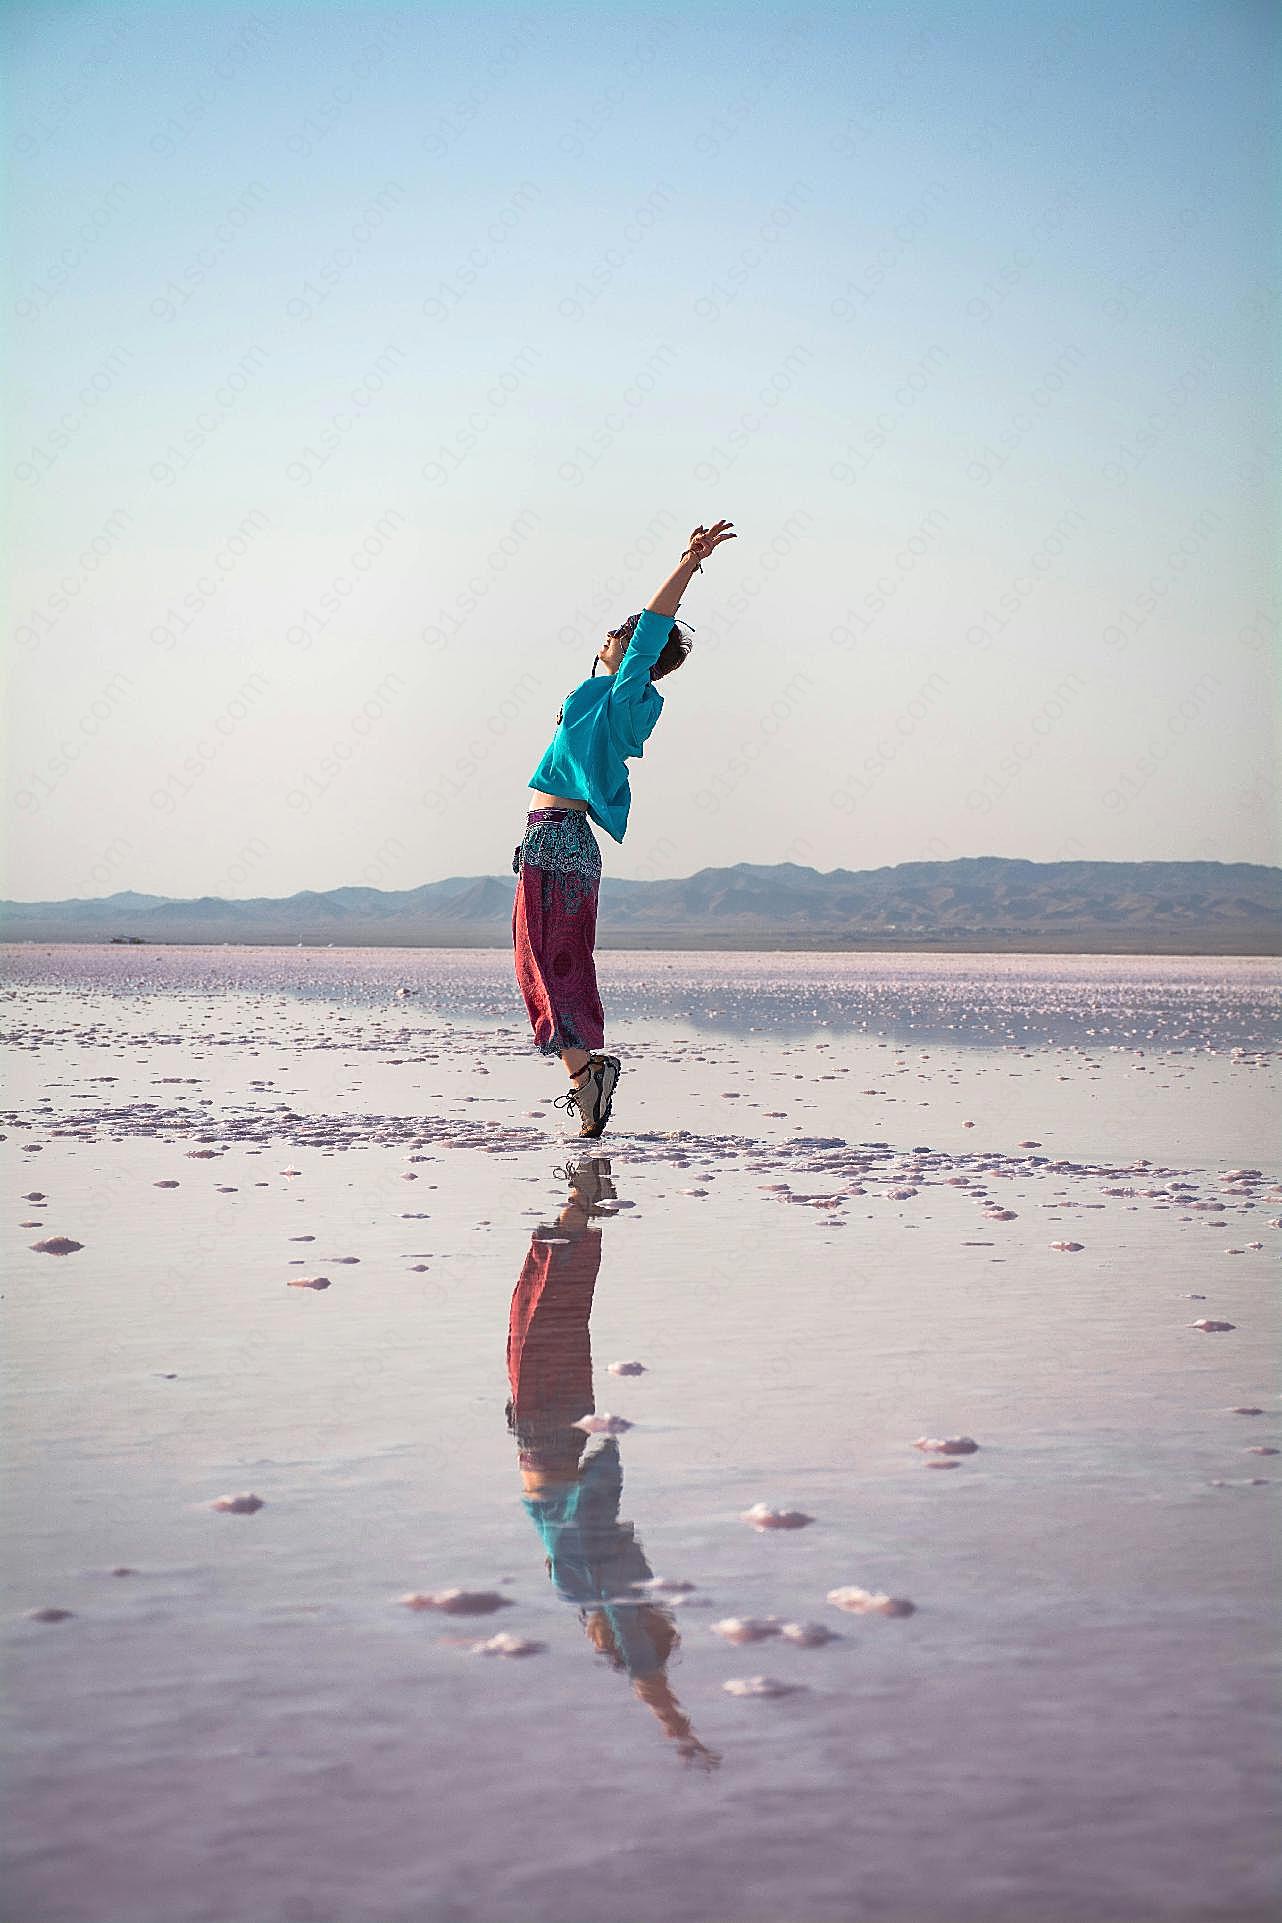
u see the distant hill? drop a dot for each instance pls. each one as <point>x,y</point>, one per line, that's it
<point>984,903</point>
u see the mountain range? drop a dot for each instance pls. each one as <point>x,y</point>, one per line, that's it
<point>981,903</point>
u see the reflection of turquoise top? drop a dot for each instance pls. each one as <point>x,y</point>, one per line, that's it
<point>604,723</point>
<point>594,1556</point>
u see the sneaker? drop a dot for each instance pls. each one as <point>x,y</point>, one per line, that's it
<point>590,1184</point>
<point>592,1099</point>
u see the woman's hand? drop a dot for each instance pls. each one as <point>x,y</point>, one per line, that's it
<point>704,539</point>
<point>691,1750</point>
<point>702,542</point>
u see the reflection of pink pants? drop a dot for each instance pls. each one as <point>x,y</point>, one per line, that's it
<point>549,1350</point>
<point>558,868</point>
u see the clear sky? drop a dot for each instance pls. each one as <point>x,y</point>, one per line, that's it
<point>370,364</point>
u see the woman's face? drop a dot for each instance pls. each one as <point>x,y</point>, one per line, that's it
<point>613,650</point>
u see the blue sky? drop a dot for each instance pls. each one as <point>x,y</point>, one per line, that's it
<point>370,363</point>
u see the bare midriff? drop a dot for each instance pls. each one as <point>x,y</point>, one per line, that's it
<point>535,1481</point>
<point>538,800</point>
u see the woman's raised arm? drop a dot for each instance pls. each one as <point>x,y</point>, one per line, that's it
<point>702,542</point>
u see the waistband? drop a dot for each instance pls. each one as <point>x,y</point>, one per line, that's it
<point>554,814</point>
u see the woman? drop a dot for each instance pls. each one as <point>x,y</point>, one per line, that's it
<point>571,1496</point>
<point>583,778</point>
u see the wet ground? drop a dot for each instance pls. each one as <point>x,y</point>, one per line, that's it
<point>464,1649</point>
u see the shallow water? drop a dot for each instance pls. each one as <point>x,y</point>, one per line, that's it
<point>1075,1722</point>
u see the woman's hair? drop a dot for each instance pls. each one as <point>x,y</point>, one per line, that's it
<point>672,654</point>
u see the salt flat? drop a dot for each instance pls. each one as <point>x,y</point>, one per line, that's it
<point>852,1203</point>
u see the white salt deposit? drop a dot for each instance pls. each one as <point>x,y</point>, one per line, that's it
<point>759,1686</point>
<point>870,1602</point>
<point>745,1629</point>
<point>761,1516</point>
<point>456,1602</point>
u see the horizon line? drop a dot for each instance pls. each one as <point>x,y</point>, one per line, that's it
<point>1154,861</point>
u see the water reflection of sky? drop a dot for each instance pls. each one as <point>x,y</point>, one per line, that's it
<point>836,1248</point>
<point>1093,1002</point>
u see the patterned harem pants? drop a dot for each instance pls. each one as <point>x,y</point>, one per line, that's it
<point>558,870</point>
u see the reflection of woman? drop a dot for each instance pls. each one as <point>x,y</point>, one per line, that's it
<point>572,1494</point>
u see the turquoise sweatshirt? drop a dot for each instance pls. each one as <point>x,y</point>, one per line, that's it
<point>604,723</point>
<point>595,1559</point>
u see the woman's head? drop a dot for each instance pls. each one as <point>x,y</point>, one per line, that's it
<point>655,1624</point>
<point>673,653</point>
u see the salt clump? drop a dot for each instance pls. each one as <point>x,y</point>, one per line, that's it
<point>761,1516</point>
<point>745,1629</point>
<point>457,1602</point>
<point>808,1635</point>
<point>759,1686</point>
<point>865,1602</point>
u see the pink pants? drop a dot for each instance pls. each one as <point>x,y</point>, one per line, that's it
<point>558,869</point>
